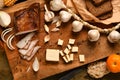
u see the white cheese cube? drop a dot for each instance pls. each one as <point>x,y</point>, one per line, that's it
<point>52,55</point>
<point>74,49</point>
<point>65,59</point>
<point>71,41</point>
<point>60,42</point>
<point>71,57</point>
<point>68,58</point>
<point>69,47</point>
<point>66,51</point>
<point>61,53</point>
<point>82,58</point>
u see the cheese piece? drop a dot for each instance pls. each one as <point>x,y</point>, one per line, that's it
<point>69,47</point>
<point>66,51</point>
<point>71,41</point>
<point>68,58</point>
<point>71,57</point>
<point>82,58</point>
<point>52,55</point>
<point>65,59</point>
<point>60,42</point>
<point>61,53</point>
<point>74,49</point>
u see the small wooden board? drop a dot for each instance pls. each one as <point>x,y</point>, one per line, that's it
<point>92,50</point>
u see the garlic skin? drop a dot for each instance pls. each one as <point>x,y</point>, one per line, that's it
<point>93,35</point>
<point>65,16</point>
<point>56,5</point>
<point>77,26</point>
<point>114,36</point>
<point>35,65</point>
<point>5,19</point>
<point>49,15</point>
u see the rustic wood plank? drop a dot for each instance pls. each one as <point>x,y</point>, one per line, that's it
<point>92,51</point>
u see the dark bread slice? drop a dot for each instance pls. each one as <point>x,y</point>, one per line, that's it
<point>28,19</point>
<point>106,15</point>
<point>98,2</point>
<point>97,11</point>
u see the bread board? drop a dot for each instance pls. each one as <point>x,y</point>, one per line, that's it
<point>92,50</point>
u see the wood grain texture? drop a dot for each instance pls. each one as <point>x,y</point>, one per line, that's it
<point>92,51</point>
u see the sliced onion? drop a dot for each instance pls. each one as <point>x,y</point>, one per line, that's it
<point>4,33</point>
<point>9,42</point>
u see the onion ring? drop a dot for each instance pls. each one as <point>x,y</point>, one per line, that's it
<point>9,42</point>
<point>4,33</point>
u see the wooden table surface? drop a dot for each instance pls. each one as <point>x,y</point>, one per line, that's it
<point>92,51</point>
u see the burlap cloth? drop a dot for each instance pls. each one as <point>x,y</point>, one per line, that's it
<point>79,7</point>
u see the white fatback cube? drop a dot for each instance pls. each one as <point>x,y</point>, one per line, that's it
<point>60,42</point>
<point>82,58</point>
<point>71,41</point>
<point>52,55</point>
<point>74,49</point>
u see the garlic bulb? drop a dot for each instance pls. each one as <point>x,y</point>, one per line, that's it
<point>49,15</point>
<point>77,26</point>
<point>5,19</point>
<point>65,16</point>
<point>35,65</point>
<point>2,4</point>
<point>93,35</point>
<point>56,5</point>
<point>114,36</point>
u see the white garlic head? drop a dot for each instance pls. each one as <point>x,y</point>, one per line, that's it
<point>5,19</point>
<point>56,5</point>
<point>114,36</point>
<point>65,16</point>
<point>77,26</point>
<point>93,35</point>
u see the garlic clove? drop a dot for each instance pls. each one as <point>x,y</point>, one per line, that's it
<point>47,38</point>
<point>55,19</point>
<point>55,29</point>
<point>93,35</point>
<point>46,28</point>
<point>5,19</point>
<point>49,15</point>
<point>114,36</point>
<point>57,5</point>
<point>65,16</point>
<point>35,65</point>
<point>77,26</point>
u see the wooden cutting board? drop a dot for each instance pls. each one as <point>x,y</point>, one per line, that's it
<point>92,50</point>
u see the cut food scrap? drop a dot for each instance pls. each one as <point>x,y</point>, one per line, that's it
<point>52,55</point>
